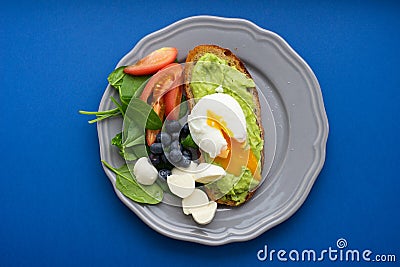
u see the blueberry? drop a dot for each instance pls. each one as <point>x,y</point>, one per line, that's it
<point>163,173</point>
<point>175,145</point>
<point>165,139</point>
<point>186,153</point>
<point>155,159</point>
<point>158,138</point>
<point>185,130</point>
<point>175,156</point>
<point>172,126</point>
<point>195,154</point>
<point>175,136</point>
<point>185,162</point>
<point>156,148</point>
<point>163,158</point>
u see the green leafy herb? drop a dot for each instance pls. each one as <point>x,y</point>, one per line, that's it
<point>127,87</point>
<point>140,89</point>
<point>134,146</point>
<point>131,140</point>
<point>134,152</point>
<point>132,133</point>
<point>121,106</point>
<point>139,116</point>
<point>126,153</point>
<point>143,114</point>
<point>130,84</point>
<point>117,140</point>
<point>188,142</point>
<point>183,107</point>
<point>101,115</point>
<point>127,184</point>
<point>126,84</point>
<point>115,78</point>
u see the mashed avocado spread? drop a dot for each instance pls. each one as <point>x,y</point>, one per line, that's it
<point>209,73</point>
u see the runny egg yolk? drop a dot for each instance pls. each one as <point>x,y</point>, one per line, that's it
<point>237,153</point>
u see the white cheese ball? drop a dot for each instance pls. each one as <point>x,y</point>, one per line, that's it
<point>197,199</point>
<point>145,172</point>
<point>207,173</point>
<point>181,185</point>
<point>204,214</point>
<point>197,204</point>
<point>189,170</point>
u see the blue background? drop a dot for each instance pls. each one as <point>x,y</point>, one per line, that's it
<point>57,206</point>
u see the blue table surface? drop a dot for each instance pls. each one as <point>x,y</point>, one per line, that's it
<point>57,206</point>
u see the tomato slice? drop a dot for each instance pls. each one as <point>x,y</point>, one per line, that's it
<point>153,62</point>
<point>172,101</point>
<point>159,108</point>
<point>166,89</point>
<point>161,82</point>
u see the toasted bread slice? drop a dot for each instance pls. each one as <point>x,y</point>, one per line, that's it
<point>194,55</point>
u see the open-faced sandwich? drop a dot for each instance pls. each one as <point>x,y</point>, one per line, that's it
<point>231,136</point>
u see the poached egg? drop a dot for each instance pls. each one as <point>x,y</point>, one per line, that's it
<point>213,120</point>
<point>217,124</point>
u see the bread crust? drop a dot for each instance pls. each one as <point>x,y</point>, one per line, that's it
<point>193,56</point>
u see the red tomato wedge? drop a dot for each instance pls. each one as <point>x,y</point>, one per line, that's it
<point>172,100</point>
<point>159,108</point>
<point>153,62</point>
<point>167,78</point>
<point>165,87</point>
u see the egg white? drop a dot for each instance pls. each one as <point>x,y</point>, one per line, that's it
<point>223,110</point>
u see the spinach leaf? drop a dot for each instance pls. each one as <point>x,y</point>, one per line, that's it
<point>126,84</point>
<point>115,77</point>
<point>188,142</point>
<point>183,107</point>
<point>126,183</point>
<point>134,152</point>
<point>117,140</point>
<point>128,87</point>
<point>133,135</point>
<point>130,84</point>
<point>101,115</point>
<point>133,141</point>
<point>141,88</point>
<point>143,114</point>
<point>138,116</point>
<point>121,107</point>
<point>132,132</point>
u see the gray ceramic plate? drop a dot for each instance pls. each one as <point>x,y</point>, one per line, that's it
<point>293,114</point>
